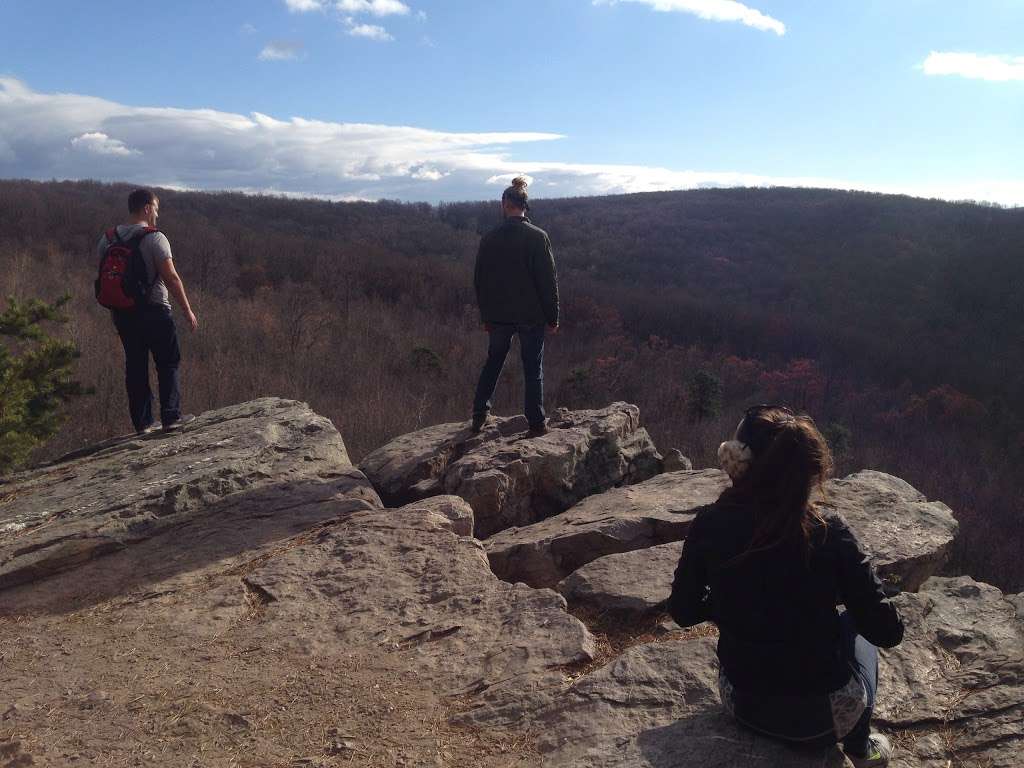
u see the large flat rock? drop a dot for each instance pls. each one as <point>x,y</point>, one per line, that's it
<point>407,580</point>
<point>510,479</point>
<point>268,456</point>
<point>654,512</point>
<point>907,536</point>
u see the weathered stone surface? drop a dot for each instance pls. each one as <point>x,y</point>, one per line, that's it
<point>951,694</point>
<point>657,511</point>
<point>656,706</point>
<point>629,585</point>
<point>510,479</point>
<point>955,686</point>
<point>401,579</point>
<point>908,536</point>
<point>454,508</point>
<point>675,461</point>
<point>269,455</point>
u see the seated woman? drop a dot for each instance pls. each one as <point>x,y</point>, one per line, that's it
<point>768,568</point>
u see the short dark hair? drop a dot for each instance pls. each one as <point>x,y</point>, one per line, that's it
<point>140,198</point>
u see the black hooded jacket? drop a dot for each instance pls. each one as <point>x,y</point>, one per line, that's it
<point>776,609</point>
<point>515,276</point>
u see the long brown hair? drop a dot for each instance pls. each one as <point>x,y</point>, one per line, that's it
<point>791,460</point>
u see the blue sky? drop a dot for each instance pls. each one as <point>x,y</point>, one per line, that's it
<point>447,99</point>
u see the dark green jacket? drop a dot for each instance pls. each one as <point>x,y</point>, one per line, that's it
<point>515,276</point>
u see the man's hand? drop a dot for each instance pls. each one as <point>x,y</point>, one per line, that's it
<point>193,323</point>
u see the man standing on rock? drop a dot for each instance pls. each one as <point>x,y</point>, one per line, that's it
<point>148,328</point>
<point>517,292</point>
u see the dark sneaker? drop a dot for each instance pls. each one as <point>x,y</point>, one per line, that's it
<point>537,430</point>
<point>879,752</point>
<point>179,422</point>
<point>477,425</point>
<point>154,427</point>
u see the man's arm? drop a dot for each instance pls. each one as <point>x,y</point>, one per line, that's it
<point>177,289</point>
<point>546,281</point>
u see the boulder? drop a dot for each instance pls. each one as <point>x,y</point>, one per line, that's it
<point>654,512</point>
<point>627,586</point>
<point>267,456</point>
<point>510,479</point>
<point>909,537</point>
<point>408,581</point>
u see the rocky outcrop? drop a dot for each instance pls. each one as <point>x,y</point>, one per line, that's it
<point>269,456</point>
<point>510,479</point>
<point>408,579</point>
<point>654,512</point>
<point>283,565</point>
<point>908,536</point>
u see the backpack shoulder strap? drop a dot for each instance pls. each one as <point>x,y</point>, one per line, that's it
<point>112,236</point>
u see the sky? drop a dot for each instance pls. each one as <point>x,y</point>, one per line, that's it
<point>435,100</point>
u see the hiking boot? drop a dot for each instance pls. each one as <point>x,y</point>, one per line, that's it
<point>537,430</point>
<point>477,425</point>
<point>879,752</point>
<point>154,427</point>
<point>179,422</point>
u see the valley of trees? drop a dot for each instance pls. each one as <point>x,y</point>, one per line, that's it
<point>895,322</point>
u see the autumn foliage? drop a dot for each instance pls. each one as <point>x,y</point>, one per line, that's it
<point>894,322</point>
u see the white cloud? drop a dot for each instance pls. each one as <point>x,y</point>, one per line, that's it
<point>975,66</point>
<point>304,6</point>
<point>373,7</point>
<point>281,50</point>
<point>247,29</point>
<point>712,10</point>
<point>69,136</point>
<point>369,31</point>
<point>99,143</point>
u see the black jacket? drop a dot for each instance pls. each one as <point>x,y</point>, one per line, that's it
<point>775,610</point>
<point>515,276</point>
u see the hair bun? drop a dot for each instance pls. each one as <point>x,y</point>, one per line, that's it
<point>520,183</point>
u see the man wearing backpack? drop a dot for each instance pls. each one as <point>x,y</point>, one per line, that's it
<point>138,300</point>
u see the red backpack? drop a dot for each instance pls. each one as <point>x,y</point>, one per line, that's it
<point>122,282</point>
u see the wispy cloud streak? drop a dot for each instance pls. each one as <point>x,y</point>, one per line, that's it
<point>712,10</point>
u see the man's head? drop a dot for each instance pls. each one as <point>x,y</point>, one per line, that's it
<point>514,201</point>
<point>144,206</point>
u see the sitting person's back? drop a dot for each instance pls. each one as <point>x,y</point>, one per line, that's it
<point>768,569</point>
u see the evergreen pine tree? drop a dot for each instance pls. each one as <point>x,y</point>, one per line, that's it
<point>35,377</point>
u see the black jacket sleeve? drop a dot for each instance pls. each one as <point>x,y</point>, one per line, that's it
<point>545,279</point>
<point>689,603</point>
<point>476,282</point>
<point>874,615</point>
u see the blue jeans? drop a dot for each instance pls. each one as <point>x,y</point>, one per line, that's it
<point>150,331</point>
<point>862,657</point>
<point>531,345</point>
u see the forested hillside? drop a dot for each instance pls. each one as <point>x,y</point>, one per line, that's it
<point>896,322</point>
